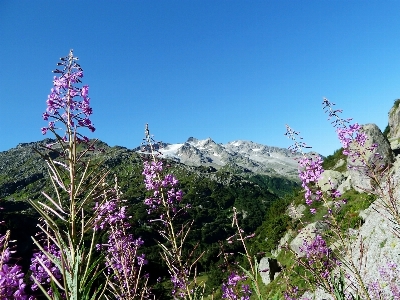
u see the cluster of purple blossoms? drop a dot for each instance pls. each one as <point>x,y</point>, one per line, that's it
<point>68,103</point>
<point>109,213</point>
<point>41,265</point>
<point>156,184</point>
<point>123,261</point>
<point>347,133</point>
<point>122,253</point>
<point>12,285</point>
<point>310,172</point>
<point>389,278</point>
<point>179,283</point>
<point>291,293</point>
<point>320,258</point>
<point>233,290</point>
<point>310,168</point>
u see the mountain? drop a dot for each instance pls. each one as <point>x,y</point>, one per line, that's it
<point>210,191</point>
<point>239,155</point>
<point>23,173</point>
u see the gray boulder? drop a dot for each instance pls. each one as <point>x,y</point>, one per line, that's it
<point>283,241</point>
<point>296,212</point>
<point>269,268</point>
<point>357,170</point>
<point>307,234</point>
<point>345,185</point>
<point>330,179</point>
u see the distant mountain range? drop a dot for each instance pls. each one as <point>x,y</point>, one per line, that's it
<point>241,156</point>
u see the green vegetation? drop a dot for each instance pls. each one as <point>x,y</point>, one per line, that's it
<point>331,161</point>
<point>276,185</point>
<point>211,193</point>
<point>348,215</point>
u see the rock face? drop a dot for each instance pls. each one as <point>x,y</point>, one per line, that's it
<point>330,179</point>
<point>283,242</point>
<point>269,268</point>
<point>296,212</point>
<point>394,121</point>
<point>359,181</point>
<point>308,233</point>
<point>378,236</point>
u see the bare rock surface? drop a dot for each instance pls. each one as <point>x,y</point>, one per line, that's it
<point>330,180</point>
<point>269,268</point>
<point>359,181</point>
<point>283,242</point>
<point>319,294</point>
<point>394,122</point>
<point>308,233</point>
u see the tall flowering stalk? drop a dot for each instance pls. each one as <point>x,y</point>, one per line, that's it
<point>165,203</point>
<point>76,181</point>
<point>319,260</point>
<point>236,287</point>
<point>123,261</point>
<point>367,161</point>
<point>12,284</point>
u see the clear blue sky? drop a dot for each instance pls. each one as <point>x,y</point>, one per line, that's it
<point>221,69</point>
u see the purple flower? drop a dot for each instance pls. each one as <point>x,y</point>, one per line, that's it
<point>319,256</point>
<point>68,103</point>
<point>123,261</point>
<point>161,187</point>
<point>310,172</point>
<point>292,293</point>
<point>39,272</point>
<point>348,134</point>
<point>233,290</point>
<point>389,277</point>
<point>12,285</point>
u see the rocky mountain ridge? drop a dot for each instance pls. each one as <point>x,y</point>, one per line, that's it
<point>244,156</point>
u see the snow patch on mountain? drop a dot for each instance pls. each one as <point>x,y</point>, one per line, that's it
<point>245,155</point>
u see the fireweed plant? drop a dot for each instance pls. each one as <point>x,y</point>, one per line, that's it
<point>236,286</point>
<point>165,204</point>
<point>12,285</point>
<point>332,268</point>
<point>123,261</point>
<point>66,266</point>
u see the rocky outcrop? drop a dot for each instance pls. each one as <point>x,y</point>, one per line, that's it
<point>372,248</point>
<point>283,242</point>
<point>359,180</point>
<point>345,185</point>
<point>269,268</point>
<point>330,180</point>
<point>307,234</point>
<point>295,212</point>
<point>394,121</point>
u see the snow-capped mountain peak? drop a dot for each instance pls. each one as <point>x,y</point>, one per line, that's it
<point>245,155</point>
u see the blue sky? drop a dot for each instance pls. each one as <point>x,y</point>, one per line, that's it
<point>222,69</point>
